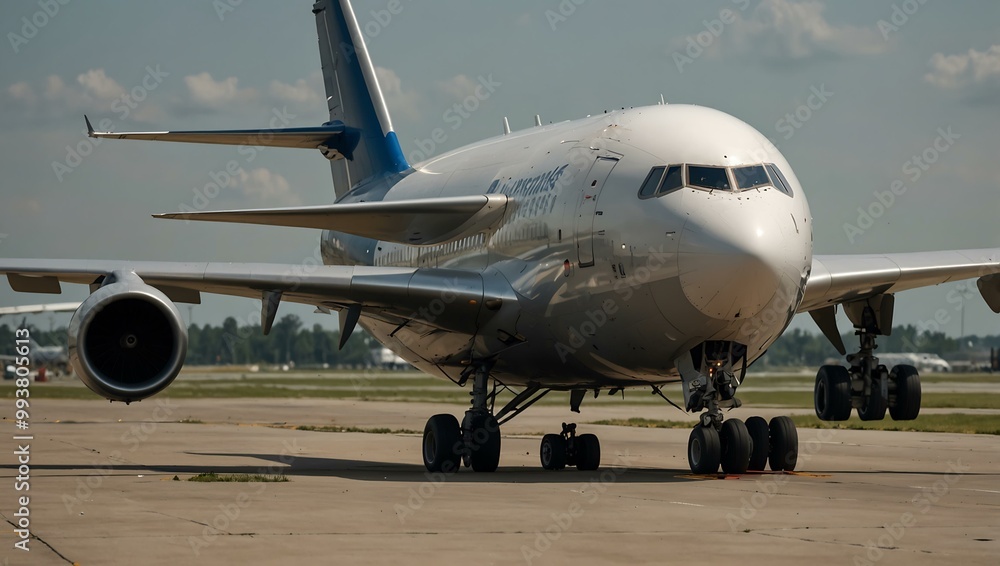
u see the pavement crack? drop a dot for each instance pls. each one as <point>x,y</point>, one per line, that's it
<point>41,540</point>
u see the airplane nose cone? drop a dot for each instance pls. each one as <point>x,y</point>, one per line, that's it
<point>731,266</point>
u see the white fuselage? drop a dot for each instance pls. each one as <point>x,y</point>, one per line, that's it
<point>612,288</point>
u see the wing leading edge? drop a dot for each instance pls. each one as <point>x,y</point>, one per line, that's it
<point>397,295</point>
<point>837,279</point>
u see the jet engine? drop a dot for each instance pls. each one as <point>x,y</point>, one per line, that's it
<point>127,341</point>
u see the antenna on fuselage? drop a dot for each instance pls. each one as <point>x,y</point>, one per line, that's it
<point>662,101</point>
<point>506,126</point>
<point>538,120</point>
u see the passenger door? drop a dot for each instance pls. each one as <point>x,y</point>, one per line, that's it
<point>586,208</point>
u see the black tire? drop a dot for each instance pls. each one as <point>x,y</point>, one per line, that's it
<point>734,439</point>
<point>760,443</point>
<point>442,444</point>
<point>484,453</point>
<point>832,393</point>
<point>907,385</point>
<point>704,450</point>
<point>873,407</point>
<point>784,453</point>
<point>588,452</point>
<point>552,452</point>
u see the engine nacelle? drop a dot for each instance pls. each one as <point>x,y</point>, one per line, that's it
<point>127,340</point>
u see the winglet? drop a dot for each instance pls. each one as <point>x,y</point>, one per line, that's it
<point>90,128</point>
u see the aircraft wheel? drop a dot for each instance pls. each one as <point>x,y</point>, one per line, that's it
<point>442,444</point>
<point>907,385</point>
<point>588,452</point>
<point>760,445</point>
<point>735,445</point>
<point>704,450</point>
<point>784,444</point>
<point>553,452</point>
<point>873,407</point>
<point>484,453</point>
<point>832,393</point>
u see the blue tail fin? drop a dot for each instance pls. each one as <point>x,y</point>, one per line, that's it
<point>354,98</point>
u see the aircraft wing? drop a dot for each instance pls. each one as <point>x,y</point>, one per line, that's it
<point>412,222</point>
<point>839,279</point>
<point>395,295</point>
<point>36,309</point>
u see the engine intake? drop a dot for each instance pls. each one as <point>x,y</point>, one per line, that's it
<point>127,341</point>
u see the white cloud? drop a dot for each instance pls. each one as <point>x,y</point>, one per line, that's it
<point>303,92</point>
<point>459,86</point>
<point>263,184</point>
<point>977,72</point>
<point>790,30</point>
<point>399,100</point>
<point>208,92</point>
<point>22,92</point>
<point>54,87</point>
<point>98,84</point>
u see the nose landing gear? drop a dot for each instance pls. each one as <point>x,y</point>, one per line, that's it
<point>732,444</point>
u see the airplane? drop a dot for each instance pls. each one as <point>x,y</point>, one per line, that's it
<point>632,249</point>
<point>55,357</point>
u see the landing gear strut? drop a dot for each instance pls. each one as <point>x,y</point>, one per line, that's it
<point>476,443</point>
<point>732,444</point>
<point>867,385</point>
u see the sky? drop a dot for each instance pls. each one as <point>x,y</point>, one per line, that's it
<point>856,94</point>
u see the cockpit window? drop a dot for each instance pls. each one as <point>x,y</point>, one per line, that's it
<point>708,177</point>
<point>672,181</point>
<point>779,180</point>
<point>652,182</point>
<point>751,177</point>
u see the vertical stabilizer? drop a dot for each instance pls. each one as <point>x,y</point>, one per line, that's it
<point>354,98</point>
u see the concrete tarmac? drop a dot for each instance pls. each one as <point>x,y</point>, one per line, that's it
<point>102,491</point>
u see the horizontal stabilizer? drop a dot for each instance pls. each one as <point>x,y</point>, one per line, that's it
<point>334,139</point>
<point>413,222</point>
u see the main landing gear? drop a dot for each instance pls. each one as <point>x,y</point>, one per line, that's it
<point>867,385</point>
<point>732,444</point>
<point>475,443</point>
<point>567,449</point>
